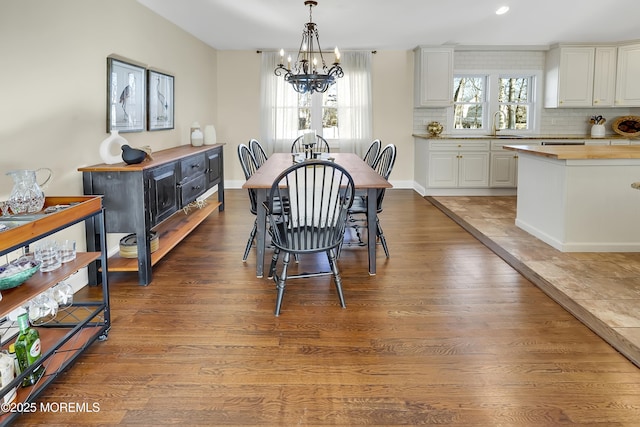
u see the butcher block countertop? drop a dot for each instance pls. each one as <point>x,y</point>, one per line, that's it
<point>579,152</point>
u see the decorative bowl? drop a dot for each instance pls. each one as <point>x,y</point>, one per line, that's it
<point>129,245</point>
<point>17,272</point>
<point>435,128</point>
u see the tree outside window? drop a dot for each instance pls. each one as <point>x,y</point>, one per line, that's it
<point>469,102</point>
<point>513,102</point>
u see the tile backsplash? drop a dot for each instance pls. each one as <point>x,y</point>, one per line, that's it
<point>553,121</point>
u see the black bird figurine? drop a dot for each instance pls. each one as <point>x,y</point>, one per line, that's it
<point>132,156</point>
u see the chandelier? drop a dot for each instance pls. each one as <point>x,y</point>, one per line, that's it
<point>309,74</point>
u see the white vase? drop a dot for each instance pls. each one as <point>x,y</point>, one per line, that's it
<point>597,131</point>
<point>111,148</point>
<point>210,136</point>
<point>197,138</point>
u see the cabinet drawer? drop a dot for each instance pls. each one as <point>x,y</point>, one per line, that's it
<point>192,166</point>
<point>459,145</point>
<point>192,188</point>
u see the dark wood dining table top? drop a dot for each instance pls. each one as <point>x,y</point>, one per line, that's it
<point>363,175</point>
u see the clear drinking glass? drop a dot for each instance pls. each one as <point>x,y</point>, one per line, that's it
<point>68,250</point>
<point>48,252</point>
<point>42,309</point>
<point>62,293</point>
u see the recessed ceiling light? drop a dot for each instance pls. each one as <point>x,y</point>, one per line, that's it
<point>502,10</point>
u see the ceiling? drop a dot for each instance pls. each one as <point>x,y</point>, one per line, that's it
<point>401,24</point>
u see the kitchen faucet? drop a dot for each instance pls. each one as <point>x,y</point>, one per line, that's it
<point>494,125</point>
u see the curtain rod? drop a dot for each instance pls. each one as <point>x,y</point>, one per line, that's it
<point>260,51</point>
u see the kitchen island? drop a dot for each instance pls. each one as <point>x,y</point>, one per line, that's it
<point>579,198</point>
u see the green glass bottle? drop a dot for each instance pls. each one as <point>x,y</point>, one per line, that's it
<point>28,350</point>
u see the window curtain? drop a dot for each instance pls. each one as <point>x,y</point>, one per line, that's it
<point>355,121</point>
<point>279,107</point>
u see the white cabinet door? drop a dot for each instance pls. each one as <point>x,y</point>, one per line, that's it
<point>443,169</point>
<point>448,169</point>
<point>504,169</point>
<point>627,82</point>
<point>575,78</point>
<point>433,77</point>
<point>604,77</point>
<point>473,169</point>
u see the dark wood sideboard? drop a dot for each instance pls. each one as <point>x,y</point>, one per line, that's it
<point>150,196</point>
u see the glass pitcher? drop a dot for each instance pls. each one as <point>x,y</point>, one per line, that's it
<point>27,195</point>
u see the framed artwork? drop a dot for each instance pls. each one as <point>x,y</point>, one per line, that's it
<point>160,106</point>
<point>126,96</point>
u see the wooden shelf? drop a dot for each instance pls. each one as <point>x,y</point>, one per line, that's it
<point>58,361</point>
<point>170,232</point>
<point>40,282</point>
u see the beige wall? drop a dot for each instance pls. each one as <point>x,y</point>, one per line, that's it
<point>392,81</point>
<point>53,85</point>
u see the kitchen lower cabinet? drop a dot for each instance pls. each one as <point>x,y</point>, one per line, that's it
<point>504,170</point>
<point>156,195</point>
<point>76,326</point>
<point>458,164</point>
<point>504,164</point>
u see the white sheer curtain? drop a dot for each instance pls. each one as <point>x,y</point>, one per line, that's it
<point>355,121</point>
<point>279,107</point>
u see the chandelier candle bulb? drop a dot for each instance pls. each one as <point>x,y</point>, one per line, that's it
<point>336,52</point>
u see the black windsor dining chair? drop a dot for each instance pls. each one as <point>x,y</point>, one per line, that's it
<point>372,152</point>
<point>321,145</point>
<point>319,195</point>
<point>383,165</point>
<point>258,152</point>
<point>249,166</point>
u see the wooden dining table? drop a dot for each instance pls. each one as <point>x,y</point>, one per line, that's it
<point>364,178</point>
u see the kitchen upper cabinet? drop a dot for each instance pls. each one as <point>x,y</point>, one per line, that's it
<point>569,77</point>
<point>627,83</point>
<point>604,76</point>
<point>580,76</point>
<point>433,77</point>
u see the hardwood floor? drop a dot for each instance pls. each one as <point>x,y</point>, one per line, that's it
<point>446,333</point>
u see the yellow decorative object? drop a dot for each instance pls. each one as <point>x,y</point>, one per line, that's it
<point>435,128</point>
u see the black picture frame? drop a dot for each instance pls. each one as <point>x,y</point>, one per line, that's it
<point>126,96</point>
<point>160,101</point>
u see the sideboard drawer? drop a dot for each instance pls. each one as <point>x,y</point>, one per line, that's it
<point>192,166</point>
<point>191,189</point>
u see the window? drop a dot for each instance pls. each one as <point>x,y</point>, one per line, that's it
<point>503,100</point>
<point>342,115</point>
<point>514,103</point>
<point>319,111</point>
<point>469,101</point>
